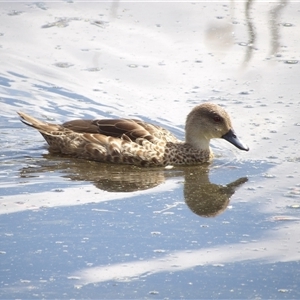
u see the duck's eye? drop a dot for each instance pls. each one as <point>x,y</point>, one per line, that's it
<point>217,119</point>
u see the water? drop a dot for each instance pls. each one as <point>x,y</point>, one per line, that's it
<point>78,229</point>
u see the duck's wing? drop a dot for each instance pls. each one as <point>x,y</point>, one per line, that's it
<point>81,126</point>
<point>127,129</point>
<point>132,129</point>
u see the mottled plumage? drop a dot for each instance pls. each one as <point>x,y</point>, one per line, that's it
<point>129,141</point>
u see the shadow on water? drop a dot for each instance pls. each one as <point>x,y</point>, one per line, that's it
<point>203,197</point>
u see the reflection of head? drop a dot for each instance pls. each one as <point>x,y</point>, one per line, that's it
<point>206,199</point>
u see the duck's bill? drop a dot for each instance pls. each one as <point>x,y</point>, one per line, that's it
<point>231,137</point>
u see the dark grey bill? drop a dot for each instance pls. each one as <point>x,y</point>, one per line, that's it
<point>231,137</point>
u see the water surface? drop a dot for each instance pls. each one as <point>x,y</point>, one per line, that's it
<point>78,229</point>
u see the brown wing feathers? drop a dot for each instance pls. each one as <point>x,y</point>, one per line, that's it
<point>127,129</point>
<point>81,126</point>
<point>119,128</point>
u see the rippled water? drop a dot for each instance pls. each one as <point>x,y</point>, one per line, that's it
<point>79,229</point>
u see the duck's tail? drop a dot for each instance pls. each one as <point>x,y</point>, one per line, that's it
<point>41,126</point>
<point>52,133</point>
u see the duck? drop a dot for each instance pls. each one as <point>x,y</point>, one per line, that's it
<point>139,143</point>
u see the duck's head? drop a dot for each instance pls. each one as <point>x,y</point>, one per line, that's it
<point>207,121</point>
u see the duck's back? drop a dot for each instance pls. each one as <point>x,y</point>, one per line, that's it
<point>126,141</point>
<point>126,129</point>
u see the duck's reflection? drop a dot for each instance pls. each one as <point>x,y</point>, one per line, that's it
<point>204,198</point>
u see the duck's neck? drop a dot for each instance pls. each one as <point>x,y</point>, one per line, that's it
<point>199,144</point>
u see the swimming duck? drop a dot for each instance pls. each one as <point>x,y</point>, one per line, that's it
<point>130,141</point>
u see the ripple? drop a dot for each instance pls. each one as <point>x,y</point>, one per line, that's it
<point>132,66</point>
<point>63,65</point>
<point>291,61</point>
<point>267,175</point>
<point>15,13</point>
